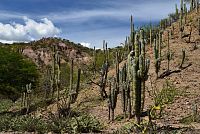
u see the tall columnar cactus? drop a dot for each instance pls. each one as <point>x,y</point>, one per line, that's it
<point>185,13</point>
<point>117,70</point>
<point>144,66</point>
<point>141,67</point>
<point>197,6</point>
<point>190,35</point>
<point>28,99</point>
<point>125,91</point>
<point>176,12</point>
<point>181,20</point>
<point>168,52</point>
<point>94,60</point>
<point>104,72</point>
<point>150,36</point>
<point>137,80</point>
<point>199,25</point>
<point>191,5</point>
<point>160,43</point>
<point>55,73</point>
<point>183,58</point>
<point>73,91</point>
<point>132,34</point>
<point>112,100</point>
<point>57,78</point>
<point>157,57</point>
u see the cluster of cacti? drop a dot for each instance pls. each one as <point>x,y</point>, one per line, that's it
<point>125,92</point>
<point>140,70</point>
<point>104,72</point>
<point>55,74</point>
<point>26,98</point>
<point>133,76</point>
<point>73,91</point>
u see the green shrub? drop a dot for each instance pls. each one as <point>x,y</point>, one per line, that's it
<point>79,124</point>
<point>15,72</point>
<point>5,105</point>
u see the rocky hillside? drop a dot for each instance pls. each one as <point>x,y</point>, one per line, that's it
<point>41,51</point>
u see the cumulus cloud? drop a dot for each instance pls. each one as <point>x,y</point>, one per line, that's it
<point>85,44</point>
<point>31,30</point>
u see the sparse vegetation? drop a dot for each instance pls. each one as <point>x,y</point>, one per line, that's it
<point>54,85</point>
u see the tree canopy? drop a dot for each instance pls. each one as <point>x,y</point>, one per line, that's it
<point>15,72</point>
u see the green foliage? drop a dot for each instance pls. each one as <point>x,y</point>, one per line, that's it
<point>5,105</point>
<point>79,124</point>
<point>132,127</point>
<point>166,95</point>
<point>15,72</point>
<point>189,119</point>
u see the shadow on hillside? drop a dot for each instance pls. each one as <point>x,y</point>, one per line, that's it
<point>32,108</point>
<point>169,72</point>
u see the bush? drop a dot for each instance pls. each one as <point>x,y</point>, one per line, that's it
<point>80,124</point>
<point>15,72</point>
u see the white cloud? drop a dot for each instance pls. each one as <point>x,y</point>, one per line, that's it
<point>31,30</point>
<point>144,11</point>
<point>85,44</point>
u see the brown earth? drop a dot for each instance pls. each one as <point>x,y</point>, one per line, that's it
<point>186,82</point>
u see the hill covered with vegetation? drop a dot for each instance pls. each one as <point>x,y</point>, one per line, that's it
<point>147,85</point>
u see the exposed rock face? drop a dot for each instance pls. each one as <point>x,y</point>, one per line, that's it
<point>43,55</point>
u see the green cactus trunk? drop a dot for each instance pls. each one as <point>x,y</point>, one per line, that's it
<point>168,52</point>
<point>183,58</point>
<point>112,99</point>
<point>199,25</point>
<point>137,80</point>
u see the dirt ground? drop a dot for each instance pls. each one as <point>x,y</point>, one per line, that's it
<point>186,82</point>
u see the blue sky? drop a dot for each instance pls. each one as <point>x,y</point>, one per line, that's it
<point>82,21</point>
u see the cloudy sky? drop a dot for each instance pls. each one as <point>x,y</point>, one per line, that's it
<point>82,21</point>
